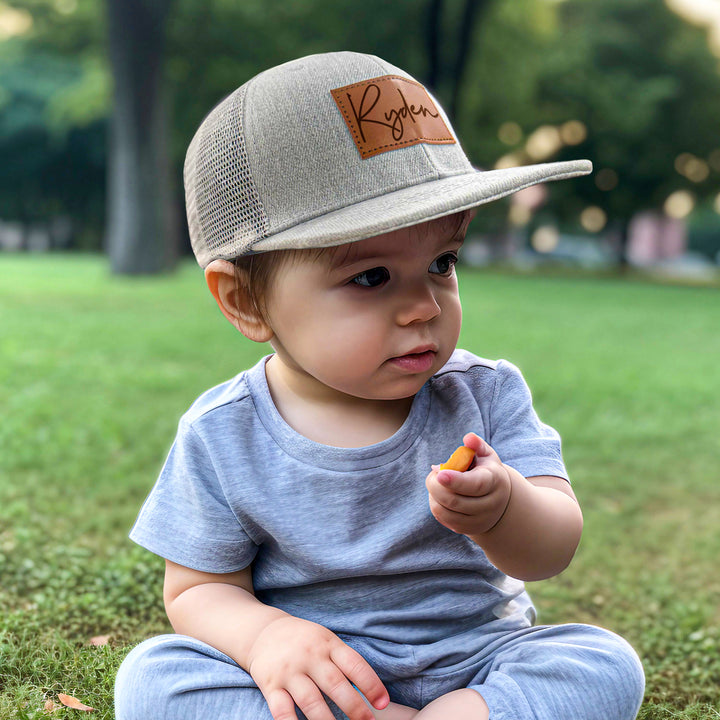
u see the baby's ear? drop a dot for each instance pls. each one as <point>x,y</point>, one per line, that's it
<point>229,288</point>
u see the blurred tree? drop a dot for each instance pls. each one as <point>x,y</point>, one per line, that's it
<point>499,108</point>
<point>446,75</point>
<point>53,99</point>
<point>141,232</point>
<point>216,45</point>
<point>640,80</point>
<point>646,86</point>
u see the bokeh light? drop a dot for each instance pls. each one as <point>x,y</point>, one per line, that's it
<point>510,133</point>
<point>573,132</point>
<point>13,21</point>
<point>543,143</point>
<point>714,159</point>
<point>508,161</point>
<point>680,204</point>
<point>593,219</point>
<point>66,7</point>
<point>716,204</point>
<point>693,168</point>
<point>545,239</point>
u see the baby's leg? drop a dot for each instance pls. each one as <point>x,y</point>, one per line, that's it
<point>173,677</point>
<point>456,705</point>
<point>565,672</point>
<point>395,712</point>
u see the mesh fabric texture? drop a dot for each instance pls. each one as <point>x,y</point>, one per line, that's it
<point>223,206</point>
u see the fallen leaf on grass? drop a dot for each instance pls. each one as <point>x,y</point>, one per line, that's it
<point>74,703</point>
<point>99,640</point>
<point>50,706</point>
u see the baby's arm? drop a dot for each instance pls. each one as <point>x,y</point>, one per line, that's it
<point>292,661</point>
<point>528,528</point>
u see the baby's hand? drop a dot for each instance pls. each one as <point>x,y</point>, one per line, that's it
<point>471,502</point>
<point>295,661</point>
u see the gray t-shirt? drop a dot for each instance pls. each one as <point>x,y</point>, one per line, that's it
<point>345,537</point>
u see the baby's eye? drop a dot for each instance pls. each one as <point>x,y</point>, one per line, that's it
<point>372,278</point>
<point>444,264</point>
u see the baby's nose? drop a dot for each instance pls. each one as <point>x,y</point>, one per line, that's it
<point>418,304</point>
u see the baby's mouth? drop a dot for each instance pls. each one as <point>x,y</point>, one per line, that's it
<point>415,362</point>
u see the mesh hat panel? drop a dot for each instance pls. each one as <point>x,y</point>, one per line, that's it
<point>224,210</point>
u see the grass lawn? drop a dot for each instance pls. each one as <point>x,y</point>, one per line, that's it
<point>95,372</point>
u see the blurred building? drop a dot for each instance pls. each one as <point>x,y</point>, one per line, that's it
<point>654,237</point>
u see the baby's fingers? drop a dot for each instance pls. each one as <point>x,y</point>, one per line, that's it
<point>281,705</point>
<point>357,670</point>
<point>338,689</point>
<point>472,484</point>
<point>481,447</point>
<point>309,698</point>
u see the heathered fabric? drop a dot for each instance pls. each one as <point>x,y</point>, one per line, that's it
<point>345,537</point>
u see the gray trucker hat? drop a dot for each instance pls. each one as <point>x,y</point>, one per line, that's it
<point>330,149</point>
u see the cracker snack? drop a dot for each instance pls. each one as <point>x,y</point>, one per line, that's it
<point>460,460</point>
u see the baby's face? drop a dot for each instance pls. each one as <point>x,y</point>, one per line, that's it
<point>372,319</point>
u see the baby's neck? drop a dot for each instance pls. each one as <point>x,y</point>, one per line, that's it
<point>347,427</point>
<point>336,419</point>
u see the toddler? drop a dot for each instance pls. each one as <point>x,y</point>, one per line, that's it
<point>319,563</point>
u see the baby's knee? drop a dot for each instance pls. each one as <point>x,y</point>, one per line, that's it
<point>173,676</point>
<point>141,684</point>
<point>596,674</point>
<point>619,673</point>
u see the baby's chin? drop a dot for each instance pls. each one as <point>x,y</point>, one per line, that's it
<point>400,392</point>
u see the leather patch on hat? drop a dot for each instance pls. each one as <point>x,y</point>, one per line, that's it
<point>390,112</point>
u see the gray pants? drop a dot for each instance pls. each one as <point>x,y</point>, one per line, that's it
<point>564,672</point>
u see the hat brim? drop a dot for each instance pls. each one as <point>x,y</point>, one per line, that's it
<point>416,204</point>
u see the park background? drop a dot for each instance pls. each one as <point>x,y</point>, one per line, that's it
<point>604,290</point>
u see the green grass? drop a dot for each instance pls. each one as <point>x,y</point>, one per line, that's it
<point>95,372</point>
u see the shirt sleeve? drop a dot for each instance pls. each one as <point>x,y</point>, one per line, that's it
<point>186,518</point>
<point>516,433</point>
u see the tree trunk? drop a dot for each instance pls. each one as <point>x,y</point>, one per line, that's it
<point>466,33</point>
<point>141,236</point>
<point>446,74</point>
<point>432,40</point>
